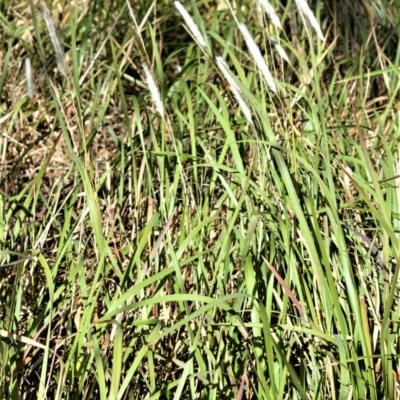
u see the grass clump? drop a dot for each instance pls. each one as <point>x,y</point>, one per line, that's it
<point>175,224</point>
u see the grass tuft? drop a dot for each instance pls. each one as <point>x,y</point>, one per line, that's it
<point>168,229</point>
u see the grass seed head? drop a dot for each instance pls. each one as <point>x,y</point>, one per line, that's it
<point>280,50</point>
<point>234,88</point>
<point>58,50</point>
<point>257,56</point>
<point>191,24</point>
<point>28,74</point>
<point>154,92</point>
<point>270,11</point>
<point>306,11</point>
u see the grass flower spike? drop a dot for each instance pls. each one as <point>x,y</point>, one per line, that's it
<point>306,11</point>
<point>258,58</point>
<point>191,25</point>
<point>28,73</point>
<point>58,50</point>
<point>154,92</point>
<point>234,88</point>
<point>280,50</point>
<point>269,10</point>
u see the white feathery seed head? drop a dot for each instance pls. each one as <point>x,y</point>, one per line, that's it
<point>257,56</point>
<point>28,74</point>
<point>234,88</point>
<point>306,11</point>
<point>58,50</point>
<point>346,179</point>
<point>153,89</point>
<point>191,25</point>
<point>280,50</point>
<point>270,11</point>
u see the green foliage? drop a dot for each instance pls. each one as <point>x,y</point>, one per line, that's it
<point>200,254</point>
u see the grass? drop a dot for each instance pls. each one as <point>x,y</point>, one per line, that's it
<point>199,253</point>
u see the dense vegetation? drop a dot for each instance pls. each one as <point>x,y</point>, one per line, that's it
<point>177,223</point>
